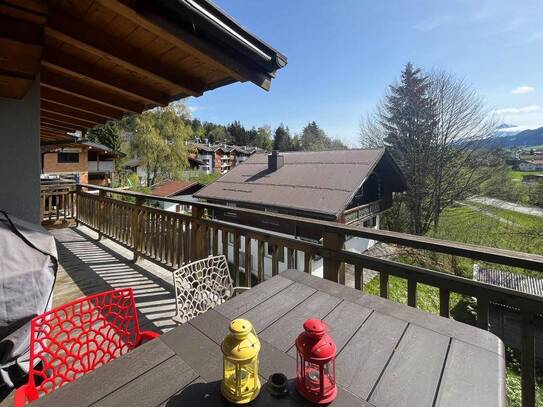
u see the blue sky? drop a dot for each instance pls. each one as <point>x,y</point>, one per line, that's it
<point>344,53</point>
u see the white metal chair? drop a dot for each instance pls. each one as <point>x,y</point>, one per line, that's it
<point>202,285</point>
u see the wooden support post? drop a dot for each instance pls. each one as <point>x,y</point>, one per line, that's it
<point>101,214</point>
<point>332,267</point>
<point>247,261</point>
<point>198,235</point>
<point>260,261</point>
<point>482,312</point>
<point>137,225</point>
<point>444,297</point>
<point>527,361</point>
<point>291,258</point>
<point>215,241</point>
<point>412,292</point>
<point>383,284</point>
<point>308,262</point>
<point>358,276</point>
<point>235,251</point>
<point>275,259</point>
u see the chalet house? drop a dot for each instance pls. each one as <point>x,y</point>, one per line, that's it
<point>531,165</point>
<point>349,187</point>
<point>86,162</point>
<point>174,188</point>
<point>222,158</point>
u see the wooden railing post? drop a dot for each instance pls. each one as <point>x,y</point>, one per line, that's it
<point>136,227</point>
<point>291,258</point>
<point>332,267</point>
<point>101,194</point>
<point>358,276</point>
<point>198,235</point>
<point>527,360</point>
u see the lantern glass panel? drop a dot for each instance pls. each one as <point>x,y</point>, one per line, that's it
<point>230,375</point>
<point>312,378</point>
<point>329,373</point>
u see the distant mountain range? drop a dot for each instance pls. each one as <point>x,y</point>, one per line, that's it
<point>509,135</point>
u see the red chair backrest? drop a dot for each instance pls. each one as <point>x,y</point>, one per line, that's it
<point>80,336</point>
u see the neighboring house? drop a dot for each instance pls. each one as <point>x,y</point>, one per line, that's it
<point>133,165</point>
<point>221,158</point>
<point>532,178</point>
<point>531,165</point>
<point>349,186</point>
<point>85,162</point>
<point>169,189</point>
<point>506,322</point>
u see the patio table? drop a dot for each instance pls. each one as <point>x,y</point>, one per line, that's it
<point>388,354</point>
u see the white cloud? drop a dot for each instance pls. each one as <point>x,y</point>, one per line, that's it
<point>522,89</point>
<point>519,110</point>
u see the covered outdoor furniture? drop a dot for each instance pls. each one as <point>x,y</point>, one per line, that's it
<point>202,285</point>
<point>389,354</point>
<point>28,268</point>
<point>76,338</point>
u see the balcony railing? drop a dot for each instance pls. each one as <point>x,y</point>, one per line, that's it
<point>57,200</point>
<point>172,239</point>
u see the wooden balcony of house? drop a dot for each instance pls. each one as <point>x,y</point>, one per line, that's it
<point>116,240</point>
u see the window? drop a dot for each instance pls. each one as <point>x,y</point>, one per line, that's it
<point>68,157</point>
<point>280,252</point>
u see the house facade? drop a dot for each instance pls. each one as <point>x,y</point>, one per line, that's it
<point>350,187</point>
<point>221,158</point>
<point>85,162</point>
<point>531,165</point>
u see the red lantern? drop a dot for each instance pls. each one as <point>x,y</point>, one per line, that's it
<point>316,363</point>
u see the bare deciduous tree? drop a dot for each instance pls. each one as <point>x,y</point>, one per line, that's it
<point>443,153</point>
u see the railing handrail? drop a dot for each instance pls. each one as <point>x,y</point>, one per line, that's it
<point>489,254</point>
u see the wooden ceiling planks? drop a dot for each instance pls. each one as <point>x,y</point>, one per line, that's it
<point>100,59</point>
<point>47,114</point>
<point>68,65</point>
<point>79,103</point>
<point>66,111</point>
<point>82,89</point>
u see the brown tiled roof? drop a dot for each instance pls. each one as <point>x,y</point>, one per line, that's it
<point>319,182</point>
<point>170,188</point>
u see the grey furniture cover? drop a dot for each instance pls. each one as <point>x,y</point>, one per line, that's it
<point>28,267</point>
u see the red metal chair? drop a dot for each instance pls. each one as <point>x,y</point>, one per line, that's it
<point>76,338</point>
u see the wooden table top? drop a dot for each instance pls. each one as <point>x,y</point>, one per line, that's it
<point>388,354</point>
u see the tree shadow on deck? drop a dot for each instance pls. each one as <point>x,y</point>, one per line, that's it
<point>92,266</point>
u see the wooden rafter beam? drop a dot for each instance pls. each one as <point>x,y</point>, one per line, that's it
<point>29,10</point>
<point>144,15</point>
<point>50,107</point>
<point>77,103</point>
<point>54,124</point>
<point>63,119</point>
<point>91,40</point>
<point>70,65</point>
<point>56,81</point>
<point>51,129</point>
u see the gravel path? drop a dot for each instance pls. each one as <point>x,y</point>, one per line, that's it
<point>498,203</point>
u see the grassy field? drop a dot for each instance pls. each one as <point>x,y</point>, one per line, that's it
<point>517,175</point>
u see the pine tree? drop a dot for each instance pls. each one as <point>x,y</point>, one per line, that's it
<point>409,121</point>
<point>281,139</point>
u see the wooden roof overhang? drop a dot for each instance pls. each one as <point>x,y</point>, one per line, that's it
<point>100,59</point>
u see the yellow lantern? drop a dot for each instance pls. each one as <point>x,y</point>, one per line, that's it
<point>240,382</point>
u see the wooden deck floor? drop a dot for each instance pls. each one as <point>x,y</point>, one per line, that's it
<point>88,266</point>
